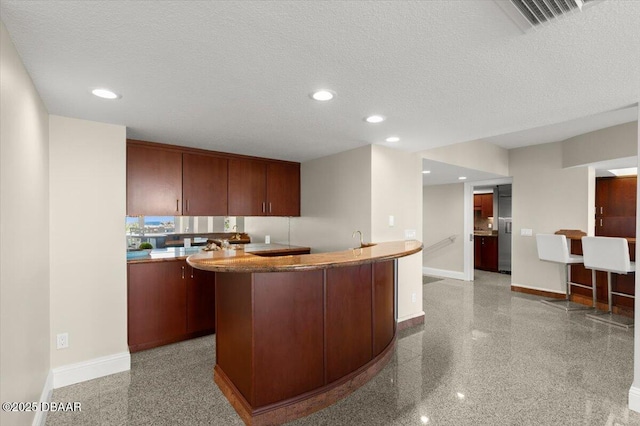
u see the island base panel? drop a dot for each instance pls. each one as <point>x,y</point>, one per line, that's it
<point>302,405</point>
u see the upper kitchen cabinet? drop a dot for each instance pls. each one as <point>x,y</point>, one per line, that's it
<point>484,204</point>
<point>283,189</point>
<point>247,188</point>
<point>263,188</point>
<point>154,181</point>
<point>204,185</point>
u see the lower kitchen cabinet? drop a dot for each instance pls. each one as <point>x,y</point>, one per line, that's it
<point>168,302</point>
<point>486,252</point>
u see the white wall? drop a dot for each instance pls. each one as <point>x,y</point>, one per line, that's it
<point>24,226</point>
<point>605,144</point>
<point>634,392</point>
<point>443,213</point>
<point>546,198</point>
<point>396,190</point>
<point>88,261</point>
<point>477,155</point>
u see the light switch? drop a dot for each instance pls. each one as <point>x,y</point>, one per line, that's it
<point>392,221</point>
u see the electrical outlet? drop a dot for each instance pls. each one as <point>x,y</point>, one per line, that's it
<point>525,232</point>
<point>413,298</point>
<point>409,234</point>
<point>62,341</point>
<point>267,239</point>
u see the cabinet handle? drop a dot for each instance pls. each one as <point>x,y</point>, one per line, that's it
<point>600,222</point>
<point>192,272</point>
<point>264,204</point>
<point>178,205</point>
<point>269,207</point>
<point>600,209</point>
<point>187,205</point>
<point>182,272</point>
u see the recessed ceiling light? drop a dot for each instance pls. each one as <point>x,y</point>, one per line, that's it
<point>375,119</point>
<point>105,94</point>
<point>392,139</point>
<point>426,172</point>
<point>462,177</point>
<point>323,95</point>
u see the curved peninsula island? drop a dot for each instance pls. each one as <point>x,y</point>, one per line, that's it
<point>295,334</point>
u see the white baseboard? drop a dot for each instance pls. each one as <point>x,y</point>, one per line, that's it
<point>634,398</point>
<point>91,369</point>
<point>442,273</point>
<point>538,288</point>
<point>40,418</point>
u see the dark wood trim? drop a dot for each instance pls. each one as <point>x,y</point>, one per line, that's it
<point>411,322</point>
<point>305,404</point>
<point>149,345</point>
<point>185,149</point>
<point>601,306</point>
<point>543,293</point>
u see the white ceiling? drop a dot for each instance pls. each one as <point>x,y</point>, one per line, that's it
<point>235,76</point>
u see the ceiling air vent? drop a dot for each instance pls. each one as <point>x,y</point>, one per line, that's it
<point>534,13</point>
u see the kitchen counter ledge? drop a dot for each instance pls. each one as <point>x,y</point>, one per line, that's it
<point>245,261</point>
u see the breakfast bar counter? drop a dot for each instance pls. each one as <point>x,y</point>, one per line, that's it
<point>297,333</point>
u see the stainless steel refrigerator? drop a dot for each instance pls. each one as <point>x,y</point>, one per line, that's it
<point>504,228</point>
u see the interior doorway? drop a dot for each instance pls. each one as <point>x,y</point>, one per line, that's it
<point>488,224</point>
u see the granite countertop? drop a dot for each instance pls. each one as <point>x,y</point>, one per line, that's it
<point>177,253</point>
<point>239,261</point>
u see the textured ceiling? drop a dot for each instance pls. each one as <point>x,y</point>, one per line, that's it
<point>235,76</point>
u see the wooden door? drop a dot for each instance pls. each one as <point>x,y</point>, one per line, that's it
<point>204,185</point>
<point>283,189</point>
<point>156,303</point>
<point>247,188</point>
<point>154,181</point>
<point>201,313</point>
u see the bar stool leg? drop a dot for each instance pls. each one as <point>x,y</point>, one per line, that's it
<point>609,292</point>
<point>593,287</point>
<point>609,317</point>
<point>566,303</point>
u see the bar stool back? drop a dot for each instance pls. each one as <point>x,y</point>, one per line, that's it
<point>608,254</point>
<point>555,248</point>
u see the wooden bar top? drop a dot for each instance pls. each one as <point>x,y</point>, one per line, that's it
<point>239,261</point>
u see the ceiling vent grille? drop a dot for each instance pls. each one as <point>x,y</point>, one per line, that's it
<point>539,12</point>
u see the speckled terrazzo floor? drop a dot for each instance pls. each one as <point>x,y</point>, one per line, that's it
<point>485,356</point>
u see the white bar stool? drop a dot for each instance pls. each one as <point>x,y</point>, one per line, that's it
<point>611,255</point>
<point>555,248</point>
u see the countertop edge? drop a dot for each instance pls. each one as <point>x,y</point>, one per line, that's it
<point>278,264</point>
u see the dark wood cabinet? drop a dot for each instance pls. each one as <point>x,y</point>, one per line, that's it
<point>616,206</point>
<point>168,302</point>
<point>167,180</point>
<point>157,306</point>
<point>204,185</point>
<point>154,181</point>
<point>486,252</point>
<point>258,188</point>
<point>483,203</point>
<point>283,189</point>
<point>247,188</point>
<point>201,289</point>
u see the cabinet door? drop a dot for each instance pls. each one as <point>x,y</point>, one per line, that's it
<point>157,308</point>
<point>154,181</point>
<point>247,188</point>
<point>490,253</point>
<point>283,189</point>
<point>204,185</point>
<point>477,252</point>
<point>487,205</point>
<point>477,202</point>
<point>201,314</point>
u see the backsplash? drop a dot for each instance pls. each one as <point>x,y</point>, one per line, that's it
<point>482,223</point>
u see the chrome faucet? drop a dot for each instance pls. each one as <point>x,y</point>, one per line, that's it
<point>358,232</point>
